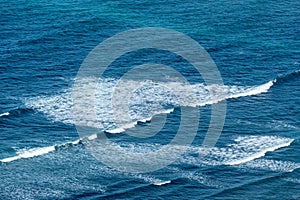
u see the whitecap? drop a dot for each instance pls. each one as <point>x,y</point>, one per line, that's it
<point>4,114</point>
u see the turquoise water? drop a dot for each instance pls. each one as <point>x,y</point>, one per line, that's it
<point>255,45</point>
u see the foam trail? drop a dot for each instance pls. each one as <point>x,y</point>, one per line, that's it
<point>146,102</point>
<point>258,154</point>
<point>146,120</point>
<point>122,128</point>
<point>253,91</point>
<point>30,153</point>
<point>4,114</point>
<point>272,165</point>
<point>151,180</point>
<point>198,177</point>
<point>243,150</point>
<point>232,92</point>
<point>133,124</point>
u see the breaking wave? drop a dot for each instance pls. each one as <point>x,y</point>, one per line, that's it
<point>149,100</point>
<point>246,151</point>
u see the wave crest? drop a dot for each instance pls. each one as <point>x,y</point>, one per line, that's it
<point>145,103</point>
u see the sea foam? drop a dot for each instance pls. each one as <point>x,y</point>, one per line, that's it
<point>4,114</point>
<point>146,102</point>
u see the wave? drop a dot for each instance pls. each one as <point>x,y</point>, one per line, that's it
<point>29,153</point>
<point>148,179</point>
<point>162,183</point>
<point>272,165</point>
<point>16,112</point>
<point>200,178</point>
<point>281,125</point>
<point>287,77</point>
<point>145,102</point>
<point>258,154</point>
<point>123,128</point>
<point>4,114</point>
<point>246,151</point>
<point>293,180</point>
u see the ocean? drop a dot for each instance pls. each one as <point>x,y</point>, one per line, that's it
<point>255,46</point>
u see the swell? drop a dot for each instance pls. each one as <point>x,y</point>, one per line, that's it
<point>16,112</point>
<point>248,91</point>
<point>243,186</point>
<point>243,150</point>
<point>60,106</point>
<point>287,77</point>
<point>30,153</point>
<point>259,154</point>
<point>145,103</point>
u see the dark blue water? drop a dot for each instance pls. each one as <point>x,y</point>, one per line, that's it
<point>256,46</point>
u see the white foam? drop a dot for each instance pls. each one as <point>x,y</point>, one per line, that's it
<point>146,120</point>
<point>92,137</point>
<point>129,125</point>
<point>150,179</point>
<point>167,111</point>
<point>122,129</point>
<point>75,142</point>
<point>253,90</point>
<point>258,154</point>
<point>281,125</point>
<point>145,102</point>
<point>30,153</point>
<point>272,165</point>
<point>116,130</point>
<point>162,183</point>
<point>246,151</point>
<point>4,114</point>
<point>243,150</point>
<point>198,177</point>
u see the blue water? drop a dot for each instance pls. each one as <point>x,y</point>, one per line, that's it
<point>256,46</point>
